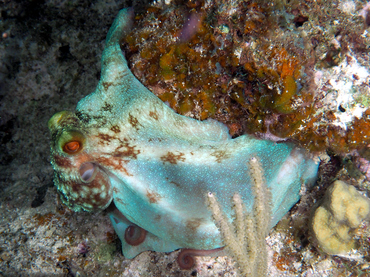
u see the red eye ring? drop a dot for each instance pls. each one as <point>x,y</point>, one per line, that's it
<point>72,147</point>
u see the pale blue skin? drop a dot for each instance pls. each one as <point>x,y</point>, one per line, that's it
<point>168,197</point>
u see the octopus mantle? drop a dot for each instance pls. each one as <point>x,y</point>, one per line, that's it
<point>123,145</point>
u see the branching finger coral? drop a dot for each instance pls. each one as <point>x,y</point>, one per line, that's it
<point>245,236</point>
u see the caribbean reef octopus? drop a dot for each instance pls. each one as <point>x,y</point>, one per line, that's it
<point>123,145</point>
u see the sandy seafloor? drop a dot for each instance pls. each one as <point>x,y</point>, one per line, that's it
<point>50,58</point>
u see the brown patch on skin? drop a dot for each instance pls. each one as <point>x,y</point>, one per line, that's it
<point>154,139</point>
<point>153,115</point>
<point>176,184</point>
<point>105,138</point>
<point>69,121</point>
<point>107,107</point>
<point>61,161</point>
<point>127,151</point>
<point>193,224</point>
<point>114,163</point>
<point>115,190</point>
<point>106,85</point>
<point>153,197</point>
<point>101,121</point>
<point>133,121</point>
<point>85,118</point>
<point>220,155</point>
<point>157,217</point>
<point>119,200</point>
<point>121,162</point>
<point>172,158</point>
<point>115,129</point>
<point>76,186</point>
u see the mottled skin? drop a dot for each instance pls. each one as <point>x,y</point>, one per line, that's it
<point>123,144</point>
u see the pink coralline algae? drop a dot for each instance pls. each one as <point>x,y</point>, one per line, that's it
<point>363,165</point>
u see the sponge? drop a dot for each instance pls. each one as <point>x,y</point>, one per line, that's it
<point>333,222</point>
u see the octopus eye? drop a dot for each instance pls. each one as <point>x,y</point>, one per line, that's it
<point>72,147</point>
<point>71,142</point>
<point>87,172</point>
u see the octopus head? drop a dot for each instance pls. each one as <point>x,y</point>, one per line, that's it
<point>81,182</point>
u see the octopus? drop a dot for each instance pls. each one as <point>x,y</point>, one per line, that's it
<point>126,151</point>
